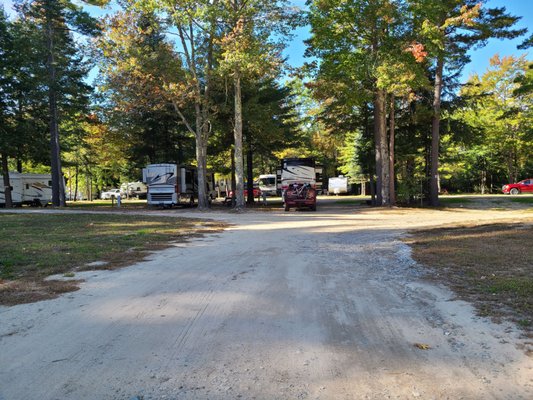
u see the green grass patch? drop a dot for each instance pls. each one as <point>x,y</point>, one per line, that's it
<point>350,201</point>
<point>522,200</point>
<point>520,286</point>
<point>34,246</point>
<point>107,204</point>
<point>453,200</point>
<point>487,264</point>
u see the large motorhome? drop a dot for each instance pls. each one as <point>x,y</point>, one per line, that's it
<point>172,184</point>
<point>30,189</point>
<point>297,181</point>
<point>299,170</point>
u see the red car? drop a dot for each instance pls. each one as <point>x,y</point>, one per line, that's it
<point>257,193</point>
<point>525,186</point>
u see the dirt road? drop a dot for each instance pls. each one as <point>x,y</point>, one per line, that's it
<point>299,305</point>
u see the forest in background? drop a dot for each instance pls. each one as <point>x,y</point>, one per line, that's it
<point>205,83</point>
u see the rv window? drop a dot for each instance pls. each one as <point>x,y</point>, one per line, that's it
<point>27,186</point>
<point>188,177</point>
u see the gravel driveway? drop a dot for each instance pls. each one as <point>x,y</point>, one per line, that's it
<point>299,305</point>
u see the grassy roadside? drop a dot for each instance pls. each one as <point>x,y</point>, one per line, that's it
<point>34,246</point>
<point>490,265</point>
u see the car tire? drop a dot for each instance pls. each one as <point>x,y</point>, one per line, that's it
<point>514,191</point>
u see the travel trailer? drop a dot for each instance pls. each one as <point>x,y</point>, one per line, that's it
<point>338,185</point>
<point>30,189</point>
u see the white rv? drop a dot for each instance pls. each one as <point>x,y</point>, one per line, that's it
<point>31,189</point>
<point>299,170</point>
<point>267,184</point>
<point>172,184</point>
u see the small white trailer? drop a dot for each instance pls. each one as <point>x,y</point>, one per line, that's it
<point>338,185</point>
<point>30,189</point>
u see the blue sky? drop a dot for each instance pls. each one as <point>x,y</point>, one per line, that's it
<point>480,57</point>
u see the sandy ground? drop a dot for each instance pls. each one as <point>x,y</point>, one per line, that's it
<point>298,305</point>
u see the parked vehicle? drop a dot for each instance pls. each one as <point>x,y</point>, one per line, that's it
<point>223,187</point>
<point>134,189</point>
<point>338,185</point>
<point>297,180</point>
<point>30,189</point>
<point>109,194</point>
<point>525,186</point>
<point>172,184</point>
<point>257,193</point>
<point>267,185</point>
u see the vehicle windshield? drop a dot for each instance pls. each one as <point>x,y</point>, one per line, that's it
<point>267,181</point>
<point>307,162</point>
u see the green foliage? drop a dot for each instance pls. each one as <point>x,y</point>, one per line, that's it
<point>499,109</point>
<point>140,73</point>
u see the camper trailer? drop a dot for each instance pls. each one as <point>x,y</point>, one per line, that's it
<point>172,184</point>
<point>338,185</point>
<point>30,189</point>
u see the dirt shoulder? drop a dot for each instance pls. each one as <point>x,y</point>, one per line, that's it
<point>487,264</point>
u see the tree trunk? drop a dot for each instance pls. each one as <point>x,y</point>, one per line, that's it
<point>435,136</point>
<point>379,165</point>
<point>76,182</point>
<point>233,179</point>
<point>373,191</point>
<point>250,175</point>
<point>7,185</point>
<point>382,153</point>
<point>58,198</point>
<point>392,190</point>
<point>201,159</point>
<point>237,133</point>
